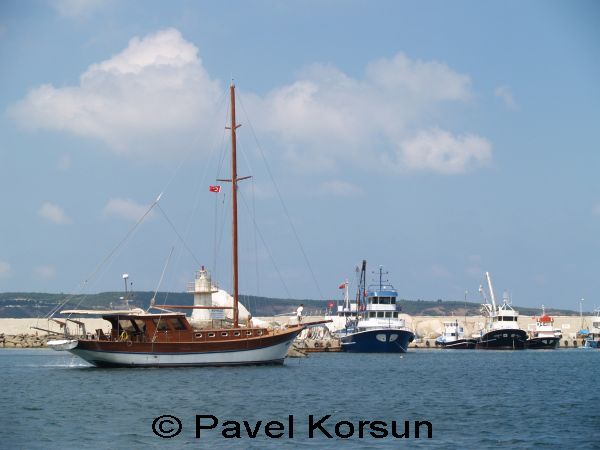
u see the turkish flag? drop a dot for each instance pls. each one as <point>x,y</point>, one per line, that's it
<point>216,188</point>
<point>342,286</point>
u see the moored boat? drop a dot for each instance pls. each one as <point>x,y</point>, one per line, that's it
<point>543,336</point>
<point>593,337</point>
<point>501,331</point>
<point>378,327</point>
<point>453,337</point>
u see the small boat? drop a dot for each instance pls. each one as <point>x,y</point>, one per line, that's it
<point>501,331</point>
<point>593,337</point>
<point>543,336</point>
<point>453,337</point>
<point>143,339</point>
<point>377,327</point>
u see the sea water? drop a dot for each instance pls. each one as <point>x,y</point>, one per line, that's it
<point>471,399</point>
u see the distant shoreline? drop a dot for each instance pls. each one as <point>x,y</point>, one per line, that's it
<point>31,304</point>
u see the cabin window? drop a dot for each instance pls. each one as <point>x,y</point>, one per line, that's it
<point>248,333</point>
<point>380,314</point>
<point>126,325</point>
<point>385,300</point>
<point>161,324</point>
<point>259,333</point>
<point>140,325</point>
<point>236,333</point>
<point>224,334</point>
<point>395,315</point>
<point>388,314</point>
<point>177,323</point>
<point>211,334</point>
<point>374,300</point>
<point>393,302</point>
<point>372,314</point>
<point>198,335</point>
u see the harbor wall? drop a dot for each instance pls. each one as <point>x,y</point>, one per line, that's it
<point>35,332</point>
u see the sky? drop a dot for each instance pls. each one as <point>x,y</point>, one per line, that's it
<point>437,139</point>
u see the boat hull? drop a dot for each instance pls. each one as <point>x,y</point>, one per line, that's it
<point>459,344</point>
<point>267,350</point>
<point>377,341</point>
<point>502,340</point>
<point>542,343</point>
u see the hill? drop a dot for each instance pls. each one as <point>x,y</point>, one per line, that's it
<point>30,304</point>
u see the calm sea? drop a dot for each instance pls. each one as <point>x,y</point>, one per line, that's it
<point>473,399</point>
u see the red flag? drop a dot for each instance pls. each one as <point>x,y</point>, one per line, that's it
<point>216,188</point>
<point>342,286</point>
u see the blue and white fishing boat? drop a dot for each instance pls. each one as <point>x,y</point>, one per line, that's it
<point>377,327</point>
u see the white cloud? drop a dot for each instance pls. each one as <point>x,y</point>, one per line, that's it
<point>53,213</point>
<point>327,118</point>
<point>440,151</point>
<point>5,269</point>
<point>426,80</point>
<point>155,97</point>
<point>148,100</point>
<point>341,188</point>
<point>77,9</point>
<point>125,208</point>
<point>505,94</point>
<point>45,272</point>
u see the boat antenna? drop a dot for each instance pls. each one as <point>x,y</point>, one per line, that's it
<point>234,222</point>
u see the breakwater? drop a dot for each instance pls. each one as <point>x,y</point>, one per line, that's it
<point>27,333</point>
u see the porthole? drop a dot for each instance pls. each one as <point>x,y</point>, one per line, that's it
<point>224,334</point>
<point>211,334</point>
<point>236,333</point>
<point>198,335</point>
<point>259,333</point>
<point>248,333</point>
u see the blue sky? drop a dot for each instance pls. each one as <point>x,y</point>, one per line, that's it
<point>439,139</point>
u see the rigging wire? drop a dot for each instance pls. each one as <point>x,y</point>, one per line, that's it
<point>80,287</point>
<point>106,259</point>
<point>285,210</point>
<point>153,300</point>
<point>266,246</point>
<point>179,236</point>
<point>200,183</point>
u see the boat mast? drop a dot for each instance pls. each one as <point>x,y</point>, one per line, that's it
<point>234,224</point>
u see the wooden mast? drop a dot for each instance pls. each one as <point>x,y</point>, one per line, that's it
<point>234,226</point>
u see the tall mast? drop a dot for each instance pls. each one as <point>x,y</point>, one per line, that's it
<point>234,225</point>
<point>234,230</point>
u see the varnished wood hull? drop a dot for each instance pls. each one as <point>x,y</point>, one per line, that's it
<point>270,349</point>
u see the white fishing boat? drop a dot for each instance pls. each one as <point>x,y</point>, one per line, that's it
<point>501,331</point>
